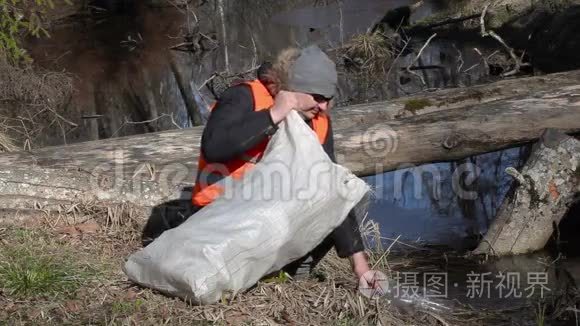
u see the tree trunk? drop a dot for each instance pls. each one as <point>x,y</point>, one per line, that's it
<point>546,189</point>
<point>193,111</point>
<point>452,98</point>
<point>150,168</point>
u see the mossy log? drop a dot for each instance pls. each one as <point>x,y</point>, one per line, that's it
<point>546,188</point>
<point>152,168</point>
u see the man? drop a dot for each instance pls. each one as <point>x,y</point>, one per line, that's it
<point>247,115</point>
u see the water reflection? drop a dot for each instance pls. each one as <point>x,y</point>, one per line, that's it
<point>443,203</point>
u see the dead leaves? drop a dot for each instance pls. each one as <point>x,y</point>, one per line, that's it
<point>73,306</point>
<point>79,229</point>
<point>132,294</point>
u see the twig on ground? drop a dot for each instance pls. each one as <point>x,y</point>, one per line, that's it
<point>128,122</point>
<point>63,118</point>
<point>255,57</point>
<point>27,145</point>
<point>220,4</point>
<point>417,58</point>
<point>471,68</point>
<point>460,59</point>
<point>485,63</point>
<point>397,57</point>
<point>153,120</point>
<point>214,75</point>
<point>206,37</point>
<point>192,12</point>
<point>402,243</point>
<point>180,45</point>
<point>551,262</point>
<point>62,131</point>
<point>386,253</point>
<point>438,318</point>
<point>492,54</point>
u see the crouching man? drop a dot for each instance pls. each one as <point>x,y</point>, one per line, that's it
<point>248,114</point>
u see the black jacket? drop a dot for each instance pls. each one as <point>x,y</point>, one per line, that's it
<point>234,127</point>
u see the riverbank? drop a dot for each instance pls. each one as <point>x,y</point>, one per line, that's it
<point>56,273</point>
<point>64,266</point>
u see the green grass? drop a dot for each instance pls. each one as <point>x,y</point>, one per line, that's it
<point>540,313</point>
<point>281,277</point>
<point>29,270</point>
<point>126,307</point>
<point>24,274</point>
<point>347,321</point>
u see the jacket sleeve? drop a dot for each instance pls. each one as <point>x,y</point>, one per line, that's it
<point>234,127</point>
<point>347,237</point>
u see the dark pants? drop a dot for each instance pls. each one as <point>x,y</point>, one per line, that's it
<point>346,239</point>
<point>167,216</point>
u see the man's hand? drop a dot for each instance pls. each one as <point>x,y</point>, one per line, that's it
<point>360,264</point>
<point>366,278</point>
<point>285,101</point>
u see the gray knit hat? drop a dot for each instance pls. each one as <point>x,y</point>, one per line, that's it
<point>314,73</point>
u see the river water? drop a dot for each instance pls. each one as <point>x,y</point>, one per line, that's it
<point>120,63</point>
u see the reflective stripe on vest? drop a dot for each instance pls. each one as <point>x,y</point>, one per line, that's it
<point>207,190</point>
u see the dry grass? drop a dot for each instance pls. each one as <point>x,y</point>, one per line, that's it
<point>34,86</point>
<point>31,100</point>
<point>7,143</point>
<point>372,53</point>
<point>91,252</point>
<point>367,60</point>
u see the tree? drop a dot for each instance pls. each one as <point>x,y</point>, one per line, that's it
<point>18,18</point>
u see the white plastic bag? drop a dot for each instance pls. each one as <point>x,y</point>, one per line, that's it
<point>293,198</point>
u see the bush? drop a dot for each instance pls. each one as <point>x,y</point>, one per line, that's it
<point>18,18</point>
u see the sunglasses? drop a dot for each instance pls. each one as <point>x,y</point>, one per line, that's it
<point>321,98</point>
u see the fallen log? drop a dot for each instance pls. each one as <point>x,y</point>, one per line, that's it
<point>151,168</point>
<point>546,189</point>
<point>454,134</point>
<point>466,14</point>
<point>452,98</point>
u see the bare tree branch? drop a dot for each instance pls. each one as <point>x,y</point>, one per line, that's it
<point>486,65</point>
<point>510,50</point>
<point>460,60</point>
<point>417,58</point>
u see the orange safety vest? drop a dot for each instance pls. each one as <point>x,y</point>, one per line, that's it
<point>203,193</point>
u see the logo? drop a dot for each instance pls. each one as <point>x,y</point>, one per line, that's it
<point>373,284</point>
